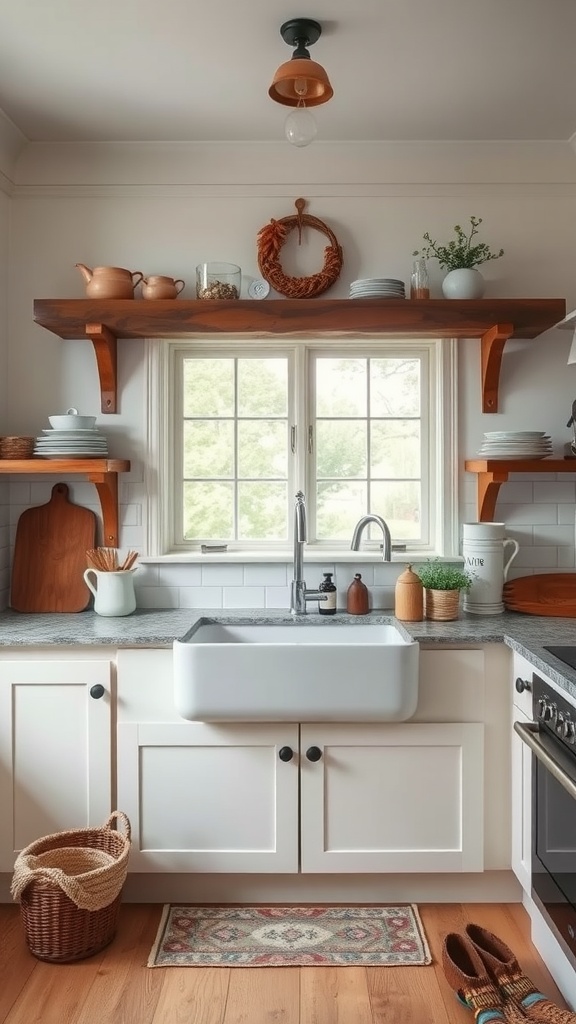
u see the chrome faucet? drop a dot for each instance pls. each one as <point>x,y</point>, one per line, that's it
<point>299,595</point>
<point>359,528</point>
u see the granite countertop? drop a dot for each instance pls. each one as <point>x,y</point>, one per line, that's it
<point>526,634</point>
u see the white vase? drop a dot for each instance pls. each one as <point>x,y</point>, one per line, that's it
<point>488,554</point>
<point>465,283</point>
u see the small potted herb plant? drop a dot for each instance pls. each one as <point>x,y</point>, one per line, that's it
<point>442,584</point>
<point>460,257</point>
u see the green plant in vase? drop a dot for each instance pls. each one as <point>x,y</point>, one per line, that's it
<point>442,584</point>
<point>460,254</point>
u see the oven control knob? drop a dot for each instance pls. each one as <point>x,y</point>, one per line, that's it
<point>560,723</point>
<point>549,712</point>
<point>523,684</point>
<point>569,730</point>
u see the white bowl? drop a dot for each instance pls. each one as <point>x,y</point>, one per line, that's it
<point>72,421</point>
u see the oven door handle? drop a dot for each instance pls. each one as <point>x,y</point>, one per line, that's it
<point>529,735</point>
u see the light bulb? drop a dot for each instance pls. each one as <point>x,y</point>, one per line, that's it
<point>301,87</point>
<point>300,127</point>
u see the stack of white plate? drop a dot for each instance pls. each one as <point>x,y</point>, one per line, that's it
<point>377,287</point>
<point>516,444</point>
<point>71,444</point>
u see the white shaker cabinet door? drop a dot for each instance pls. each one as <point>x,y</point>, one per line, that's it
<point>392,798</point>
<point>209,798</point>
<point>55,749</point>
<point>521,804</point>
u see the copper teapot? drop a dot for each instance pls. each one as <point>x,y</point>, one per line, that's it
<point>159,287</point>
<point>110,282</point>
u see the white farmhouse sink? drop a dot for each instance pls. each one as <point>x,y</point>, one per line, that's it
<point>296,671</point>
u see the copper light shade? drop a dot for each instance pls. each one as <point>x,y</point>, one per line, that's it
<point>300,81</point>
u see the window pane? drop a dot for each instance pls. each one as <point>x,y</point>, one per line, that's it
<point>208,511</point>
<point>208,387</point>
<point>394,387</point>
<point>208,448</point>
<point>262,387</point>
<point>395,448</point>
<point>400,504</point>
<point>262,448</point>
<point>340,505</point>
<point>340,387</point>
<point>262,511</point>
<point>341,448</point>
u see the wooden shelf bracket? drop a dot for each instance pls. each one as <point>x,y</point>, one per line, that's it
<point>492,343</point>
<point>488,487</point>
<point>107,486</point>
<point>106,359</point>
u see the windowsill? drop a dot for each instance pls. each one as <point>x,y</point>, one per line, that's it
<point>311,555</point>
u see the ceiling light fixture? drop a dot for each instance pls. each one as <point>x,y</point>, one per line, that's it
<point>300,82</point>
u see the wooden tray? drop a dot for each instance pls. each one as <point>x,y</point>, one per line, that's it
<point>548,594</point>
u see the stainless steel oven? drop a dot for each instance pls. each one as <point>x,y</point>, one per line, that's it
<point>552,739</point>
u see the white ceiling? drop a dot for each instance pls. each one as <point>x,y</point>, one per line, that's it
<point>182,70</point>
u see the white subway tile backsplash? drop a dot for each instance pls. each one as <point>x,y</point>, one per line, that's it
<point>201,597</point>
<point>130,515</point>
<point>559,491</point>
<point>277,597</point>
<point>147,576</point>
<point>222,575</point>
<point>566,557</point>
<point>567,514</point>
<point>515,492</point>
<point>558,535</point>
<point>243,597</point>
<point>381,598</point>
<point>521,515</point>
<point>157,597</point>
<point>536,558</point>
<point>266,575</point>
<point>188,575</point>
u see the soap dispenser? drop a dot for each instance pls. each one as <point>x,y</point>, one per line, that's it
<point>409,597</point>
<point>357,597</point>
<point>327,607</point>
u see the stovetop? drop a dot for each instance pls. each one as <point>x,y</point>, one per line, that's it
<point>565,654</point>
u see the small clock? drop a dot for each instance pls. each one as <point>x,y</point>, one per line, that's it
<point>258,288</point>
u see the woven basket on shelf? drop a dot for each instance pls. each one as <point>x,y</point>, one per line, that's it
<point>70,887</point>
<point>16,447</point>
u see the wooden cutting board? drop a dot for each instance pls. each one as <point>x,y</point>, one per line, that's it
<point>552,593</point>
<point>50,556</point>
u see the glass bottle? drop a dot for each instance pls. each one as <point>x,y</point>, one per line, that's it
<point>327,607</point>
<point>419,284</point>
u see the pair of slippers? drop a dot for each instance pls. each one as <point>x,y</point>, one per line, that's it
<point>486,976</point>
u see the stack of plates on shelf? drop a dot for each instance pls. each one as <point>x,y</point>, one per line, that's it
<point>71,444</point>
<point>377,287</point>
<point>515,444</point>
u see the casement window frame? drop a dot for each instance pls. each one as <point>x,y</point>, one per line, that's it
<point>441,443</point>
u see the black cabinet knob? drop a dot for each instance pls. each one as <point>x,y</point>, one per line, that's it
<point>285,753</point>
<point>313,753</point>
<point>523,684</point>
<point>97,691</point>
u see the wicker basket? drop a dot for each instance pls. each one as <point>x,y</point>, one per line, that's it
<point>70,887</point>
<point>16,447</point>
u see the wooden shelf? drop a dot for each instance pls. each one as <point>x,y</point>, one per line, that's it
<point>105,321</point>
<point>494,472</point>
<point>103,473</point>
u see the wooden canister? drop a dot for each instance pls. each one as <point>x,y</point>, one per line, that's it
<point>409,597</point>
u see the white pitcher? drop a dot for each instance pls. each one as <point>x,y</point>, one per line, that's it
<point>113,591</point>
<point>484,546</point>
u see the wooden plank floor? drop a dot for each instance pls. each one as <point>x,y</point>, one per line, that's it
<point>116,987</point>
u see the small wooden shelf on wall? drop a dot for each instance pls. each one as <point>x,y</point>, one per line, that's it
<point>105,321</point>
<point>103,473</point>
<point>494,472</point>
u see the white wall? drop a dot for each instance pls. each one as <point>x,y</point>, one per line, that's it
<point>163,209</point>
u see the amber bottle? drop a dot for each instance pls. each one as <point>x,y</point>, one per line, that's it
<point>357,597</point>
<point>327,607</point>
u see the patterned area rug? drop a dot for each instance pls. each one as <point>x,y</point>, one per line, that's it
<point>279,936</point>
